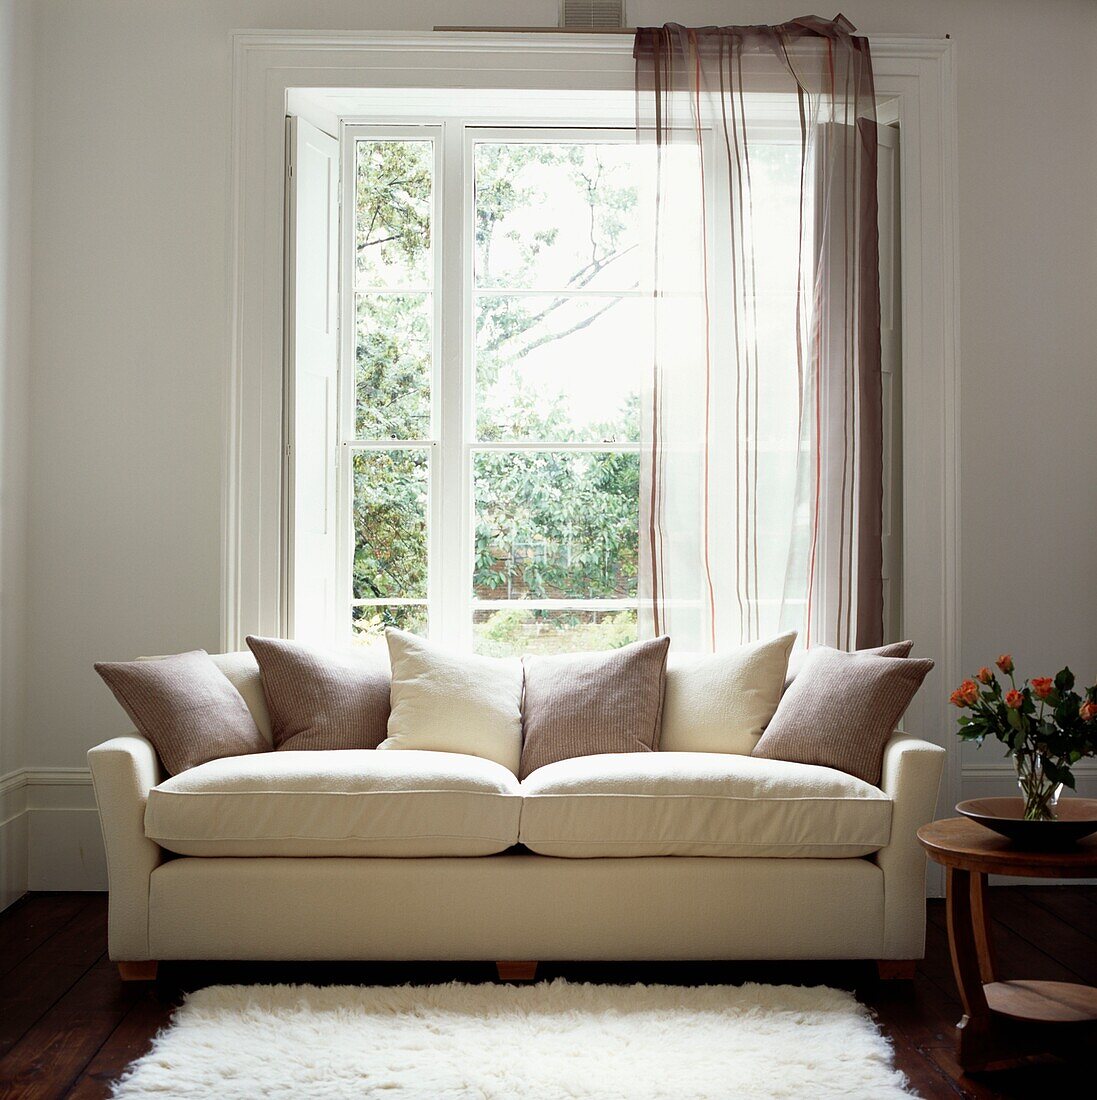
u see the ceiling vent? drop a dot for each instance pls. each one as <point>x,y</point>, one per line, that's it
<point>592,13</point>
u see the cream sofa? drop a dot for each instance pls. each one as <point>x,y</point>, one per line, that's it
<point>424,855</point>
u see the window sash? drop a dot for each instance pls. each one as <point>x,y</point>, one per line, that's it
<point>452,442</point>
<point>349,443</point>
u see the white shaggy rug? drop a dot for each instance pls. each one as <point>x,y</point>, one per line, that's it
<point>551,1040</point>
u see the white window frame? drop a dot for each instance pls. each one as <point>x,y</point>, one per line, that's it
<point>348,444</point>
<point>915,79</point>
<point>540,132</point>
<point>452,444</point>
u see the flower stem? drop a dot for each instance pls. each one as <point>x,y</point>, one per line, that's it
<point>1037,789</point>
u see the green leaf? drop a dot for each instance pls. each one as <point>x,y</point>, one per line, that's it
<point>1064,680</point>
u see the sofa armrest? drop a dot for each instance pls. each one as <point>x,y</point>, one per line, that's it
<point>123,771</point>
<point>911,777</point>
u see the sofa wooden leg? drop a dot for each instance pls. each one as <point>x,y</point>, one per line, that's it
<point>138,971</point>
<point>511,970</point>
<point>896,970</point>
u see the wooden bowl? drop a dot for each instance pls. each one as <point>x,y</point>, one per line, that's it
<point>1074,818</point>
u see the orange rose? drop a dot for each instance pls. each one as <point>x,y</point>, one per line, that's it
<point>1014,699</point>
<point>1088,711</point>
<point>1042,686</point>
<point>966,695</point>
<point>1005,663</point>
<point>984,675</point>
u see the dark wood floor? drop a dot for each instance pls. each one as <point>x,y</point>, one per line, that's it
<point>68,1026</point>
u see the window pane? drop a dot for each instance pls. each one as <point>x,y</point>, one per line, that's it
<point>557,215</point>
<point>393,366</point>
<point>521,630</point>
<point>556,525</point>
<point>368,623</point>
<point>392,213</point>
<point>390,525</point>
<point>775,212</point>
<point>560,369</point>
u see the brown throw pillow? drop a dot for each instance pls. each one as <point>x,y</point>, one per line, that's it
<point>585,704</point>
<point>322,700</point>
<point>799,656</point>
<point>841,709</point>
<point>186,707</point>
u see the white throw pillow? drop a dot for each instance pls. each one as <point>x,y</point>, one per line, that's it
<point>721,702</point>
<point>454,702</point>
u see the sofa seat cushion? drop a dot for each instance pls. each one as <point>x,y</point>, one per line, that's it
<point>346,802</point>
<point>700,804</point>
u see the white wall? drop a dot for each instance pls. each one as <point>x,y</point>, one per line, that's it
<point>15,187</point>
<point>131,106</point>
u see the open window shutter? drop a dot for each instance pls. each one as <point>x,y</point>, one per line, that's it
<point>890,366</point>
<point>312,356</point>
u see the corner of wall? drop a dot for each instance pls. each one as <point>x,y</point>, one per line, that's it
<point>16,138</point>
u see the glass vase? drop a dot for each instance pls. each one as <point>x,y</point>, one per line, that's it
<point>1041,795</point>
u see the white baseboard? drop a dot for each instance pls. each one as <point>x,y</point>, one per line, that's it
<point>13,839</point>
<point>1000,778</point>
<point>49,833</point>
<point>65,850</point>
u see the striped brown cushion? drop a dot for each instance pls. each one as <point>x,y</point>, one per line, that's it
<point>323,700</point>
<point>799,656</point>
<point>585,704</point>
<point>841,709</point>
<point>187,708</point>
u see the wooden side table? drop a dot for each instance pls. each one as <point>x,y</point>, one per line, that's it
<point>1004,1021</point>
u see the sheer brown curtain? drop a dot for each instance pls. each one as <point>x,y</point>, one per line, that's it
<point>761,481</point>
